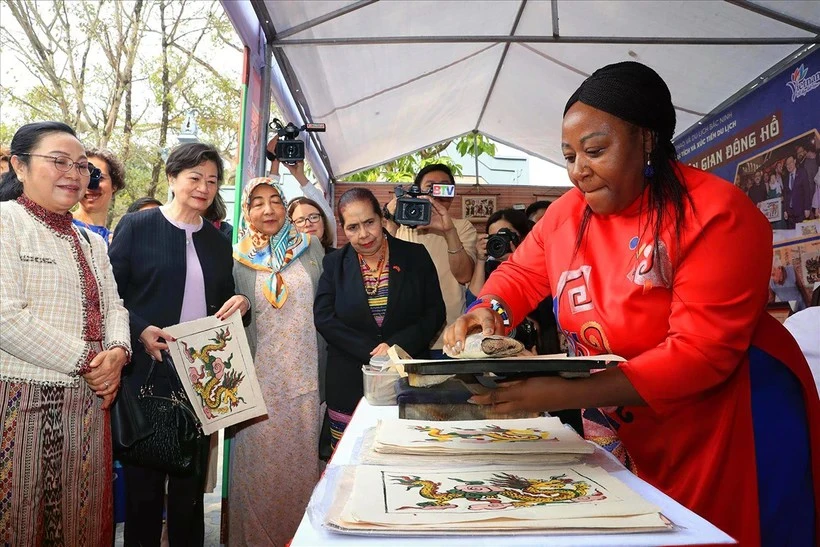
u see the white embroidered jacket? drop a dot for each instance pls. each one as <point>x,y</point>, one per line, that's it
<point>42,304</point>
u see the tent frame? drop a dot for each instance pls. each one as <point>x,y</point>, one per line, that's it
<point>277,42</point>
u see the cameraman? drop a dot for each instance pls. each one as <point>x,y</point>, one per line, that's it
<point>297,170</point>
<point>506,229</point>
<point>450,242</point>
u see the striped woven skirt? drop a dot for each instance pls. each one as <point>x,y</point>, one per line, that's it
<point>338,424</point>
<point>55,466</point>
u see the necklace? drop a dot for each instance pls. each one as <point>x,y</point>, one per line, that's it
<point>373,281</point>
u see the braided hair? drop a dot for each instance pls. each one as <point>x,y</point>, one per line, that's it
<point>636,94</point>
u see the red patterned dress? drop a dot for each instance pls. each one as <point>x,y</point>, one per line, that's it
<point>730,399</point>
<point>58,308</point>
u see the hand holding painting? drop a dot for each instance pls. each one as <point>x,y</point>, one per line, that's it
<point>237,302</point>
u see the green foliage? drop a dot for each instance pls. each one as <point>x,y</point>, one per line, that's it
<point>77,80</point>
<point>404,169</point>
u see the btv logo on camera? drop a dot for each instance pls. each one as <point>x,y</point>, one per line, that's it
<point>444,190</point>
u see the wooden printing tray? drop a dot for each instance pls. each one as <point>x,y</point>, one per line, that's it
<point>512,366</point>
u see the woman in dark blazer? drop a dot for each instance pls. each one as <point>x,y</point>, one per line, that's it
<point>374,292</point>
<point>171,267</point>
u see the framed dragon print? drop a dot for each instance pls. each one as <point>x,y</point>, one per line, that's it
<point>214,363</point>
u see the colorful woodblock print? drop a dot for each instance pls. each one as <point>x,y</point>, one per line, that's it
<point>213,361</point>
<point>485,434</point>
<point>499,491</point>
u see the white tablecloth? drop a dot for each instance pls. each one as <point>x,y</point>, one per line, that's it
<point>691,529</point>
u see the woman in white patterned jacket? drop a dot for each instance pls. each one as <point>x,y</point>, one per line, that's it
<point>64,339</point>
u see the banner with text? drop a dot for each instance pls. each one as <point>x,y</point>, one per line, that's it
<point>767,144</point>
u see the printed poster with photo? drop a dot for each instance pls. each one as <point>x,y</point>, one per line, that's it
<point>214,363</point>
<point>795,271</point>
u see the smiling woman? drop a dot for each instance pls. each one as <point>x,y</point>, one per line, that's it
<point>280,267</point>
<point>64,340</point>
<point>172,267</point>
<point>648,259</point>
<point>92,212</point>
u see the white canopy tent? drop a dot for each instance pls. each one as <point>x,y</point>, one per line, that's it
<point>391,77</point>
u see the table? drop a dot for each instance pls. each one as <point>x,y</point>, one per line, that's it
<point>692,529</point>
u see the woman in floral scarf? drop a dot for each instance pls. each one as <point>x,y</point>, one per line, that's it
<point>276,455</point>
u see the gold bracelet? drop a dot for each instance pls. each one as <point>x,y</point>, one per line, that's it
<point>456,251</point>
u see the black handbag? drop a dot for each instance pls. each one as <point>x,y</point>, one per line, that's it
<point>128,423</point>
<point>174,447</point>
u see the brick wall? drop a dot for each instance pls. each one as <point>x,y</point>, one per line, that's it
<point>505,196</point>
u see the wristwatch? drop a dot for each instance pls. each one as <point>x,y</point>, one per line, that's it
<point>386,213</point>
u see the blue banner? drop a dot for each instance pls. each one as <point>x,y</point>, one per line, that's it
<point>767,143</point>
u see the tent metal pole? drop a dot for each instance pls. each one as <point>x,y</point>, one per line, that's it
<point>325,18</point>
<point>554,7</point>
<point>301,104</point>
<point>475,155</point>
<point>776,15</point>
<point>500,64</point>
<point>262,13</point>
<point>264,108</point>
<point>659,40</point>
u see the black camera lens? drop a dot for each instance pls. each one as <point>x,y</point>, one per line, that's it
<point>413,211</point>
<point>497,246</point>
<point>499,243</point>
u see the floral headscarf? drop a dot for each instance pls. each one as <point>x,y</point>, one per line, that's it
<point>269,253</point>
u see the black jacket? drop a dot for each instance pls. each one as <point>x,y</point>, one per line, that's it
<point>148,257</point>
<point>415,315</point>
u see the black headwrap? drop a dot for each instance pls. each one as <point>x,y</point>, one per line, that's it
<point>632,92</point>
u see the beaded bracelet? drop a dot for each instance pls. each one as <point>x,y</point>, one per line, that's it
<point>495,306</point>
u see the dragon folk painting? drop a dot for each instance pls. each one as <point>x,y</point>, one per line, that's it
<point>213,360</point>
<point>473,495</point>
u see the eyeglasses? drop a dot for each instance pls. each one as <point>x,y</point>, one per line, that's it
<point>64,164</point>
<point>312,218</point>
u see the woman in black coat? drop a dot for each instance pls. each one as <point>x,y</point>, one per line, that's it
<point>374,292</point>
<point>171,267</point>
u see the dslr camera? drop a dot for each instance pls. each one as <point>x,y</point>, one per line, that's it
<point>500,242</point>
<point>412,210</point>
<point>290,148</point>
<point>96,176</point>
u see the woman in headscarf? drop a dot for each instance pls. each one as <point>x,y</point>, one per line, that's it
<point>669,267</point>
<point>64,340</point>
<point>274,459</point>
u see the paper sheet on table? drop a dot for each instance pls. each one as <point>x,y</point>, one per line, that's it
<point>544,435</point>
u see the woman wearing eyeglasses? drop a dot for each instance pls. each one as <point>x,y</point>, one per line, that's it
<point>303,211</point>
<point>64,340</point>
<point>309,218</point>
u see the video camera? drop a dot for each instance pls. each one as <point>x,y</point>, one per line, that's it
<point>290,149</point>
<point>500,243</point>
<point>412,210</point>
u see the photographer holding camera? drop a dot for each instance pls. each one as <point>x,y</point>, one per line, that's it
<point>293,158</point>
<point>450,241</point>
<point>506,229</point>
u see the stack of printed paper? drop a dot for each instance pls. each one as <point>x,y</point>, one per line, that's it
<point>478,437</point>
<point>549,499</point>
<point>369,456</point>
